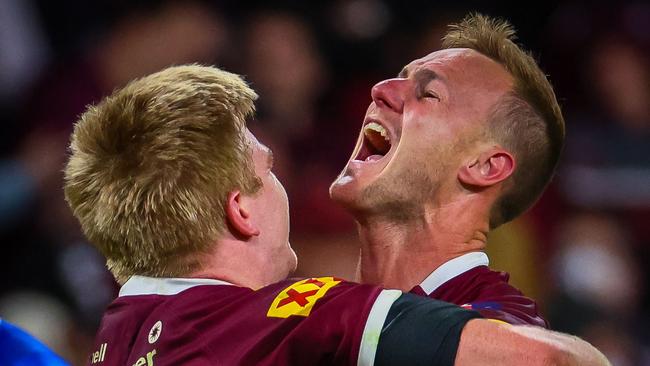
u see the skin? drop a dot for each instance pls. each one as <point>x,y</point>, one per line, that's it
<point>484,342</point>
<point>428,199</point>
<point>255,252</point>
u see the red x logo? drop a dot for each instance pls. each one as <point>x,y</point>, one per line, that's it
<point>316,282</point>
<point>298,297</point>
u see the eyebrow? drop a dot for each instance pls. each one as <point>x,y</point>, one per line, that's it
<point>422,77</point>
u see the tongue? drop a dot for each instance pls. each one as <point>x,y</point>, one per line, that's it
<point>374,157</point>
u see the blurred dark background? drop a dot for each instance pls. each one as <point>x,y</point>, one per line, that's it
<point>583,251</point>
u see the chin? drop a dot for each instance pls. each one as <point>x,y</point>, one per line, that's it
<point>293,265</point>
<point>349,195</point>
<point>345,191</point>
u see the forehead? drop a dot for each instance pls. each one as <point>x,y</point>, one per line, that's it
<point>464,66</point>
<point>254,143</point>
<point>443,57</point>
<point>260,151</point>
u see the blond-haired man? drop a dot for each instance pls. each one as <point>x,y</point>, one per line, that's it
<point>460,142</point>
<point>169,184</point>
<point>157,167</point>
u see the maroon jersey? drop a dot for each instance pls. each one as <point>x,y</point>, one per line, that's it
<point>164,321</point>
<point>467,281</point>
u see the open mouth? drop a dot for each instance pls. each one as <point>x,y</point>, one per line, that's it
<point>376,142</point>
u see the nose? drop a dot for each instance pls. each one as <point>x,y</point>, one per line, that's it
<point>387,94</point>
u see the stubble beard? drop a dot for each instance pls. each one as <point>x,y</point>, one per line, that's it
<point>400,199</point>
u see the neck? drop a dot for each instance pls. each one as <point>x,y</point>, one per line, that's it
<point>240,263</point>
<point>226,275</point>
<point>402,254</point>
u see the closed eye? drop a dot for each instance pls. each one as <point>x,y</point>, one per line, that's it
<point>428,94</point>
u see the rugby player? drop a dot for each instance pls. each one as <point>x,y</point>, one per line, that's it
<point>462,141</point>
<point>167,181</point>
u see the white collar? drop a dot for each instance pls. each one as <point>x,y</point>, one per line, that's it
<point>141,285</point>
<point>453,268</point>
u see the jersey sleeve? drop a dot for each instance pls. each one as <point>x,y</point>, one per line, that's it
<point>414,331</point>
<point>326,321</point>
<point>320,321</point>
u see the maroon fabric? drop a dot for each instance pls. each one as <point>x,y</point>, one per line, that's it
<point>228,325</point>
<point>489,293</point>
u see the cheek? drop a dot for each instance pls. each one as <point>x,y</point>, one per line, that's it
<point>279,193</point>
<point>428,119</point>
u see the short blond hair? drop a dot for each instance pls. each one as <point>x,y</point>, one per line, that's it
<point>527,121</point>
<point>152,164</point>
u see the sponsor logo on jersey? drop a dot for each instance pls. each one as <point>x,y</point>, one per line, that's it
<point>484,305</point>
<point>155,332</point>
<point>299,298</point>
<point>100,354</point>
<point>146,360</point>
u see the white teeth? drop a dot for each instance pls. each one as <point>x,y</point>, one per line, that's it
<point>377,128</point>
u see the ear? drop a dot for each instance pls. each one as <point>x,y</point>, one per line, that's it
<point>238,216</point>
<point>489,168</point>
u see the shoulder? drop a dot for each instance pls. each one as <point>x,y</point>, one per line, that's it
<point>478,282</point>
<point>18,347</point>
<point>287,298</point>
<point>496,298</point>
<point>299,297</point>
<point>494,285</point>
<point>319,319</point>
<point>491,282</point>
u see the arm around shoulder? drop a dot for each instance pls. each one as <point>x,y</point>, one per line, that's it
<point>484,342</point>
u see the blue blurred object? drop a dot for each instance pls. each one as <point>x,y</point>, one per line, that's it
<point>17,348</point>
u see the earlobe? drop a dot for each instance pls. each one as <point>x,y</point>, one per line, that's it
<point>238,216</point>
<point>488,169</point>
